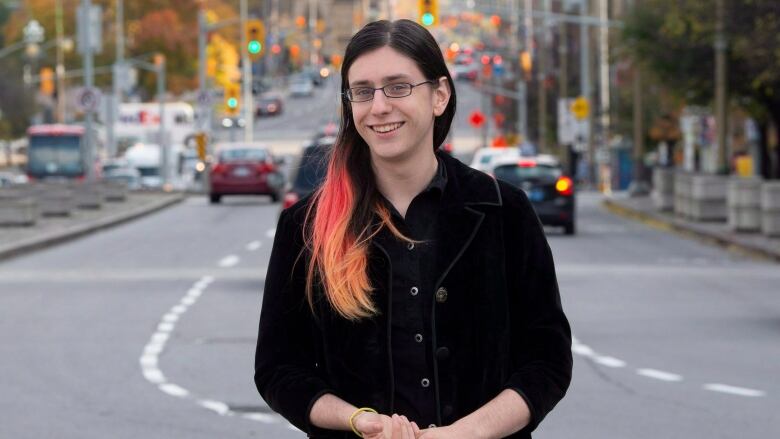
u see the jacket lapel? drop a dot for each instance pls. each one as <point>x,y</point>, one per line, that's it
<point>457,228</point>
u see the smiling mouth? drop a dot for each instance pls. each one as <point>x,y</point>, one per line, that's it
<point>386,128</point>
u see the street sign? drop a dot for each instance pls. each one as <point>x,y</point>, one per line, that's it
<point>88,99</point>
<point>92,23</point>
<point>580,108</point>
<point>476,119</point>
<point>204,98</point>
<point>571,130</point>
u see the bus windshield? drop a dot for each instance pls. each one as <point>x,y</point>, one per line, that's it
<point>54,156</point>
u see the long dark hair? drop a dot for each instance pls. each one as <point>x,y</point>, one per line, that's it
<point>341,220</point>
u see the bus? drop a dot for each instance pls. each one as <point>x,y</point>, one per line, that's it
<point>59,152</point>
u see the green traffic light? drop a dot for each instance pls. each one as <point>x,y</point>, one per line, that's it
<point>232,102</point>
<point>254,47</point>
<point>427,19</point>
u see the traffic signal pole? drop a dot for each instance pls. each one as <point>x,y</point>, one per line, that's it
<point>247,109</point>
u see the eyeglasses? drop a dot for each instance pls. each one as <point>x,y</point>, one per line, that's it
<point>397,90</point>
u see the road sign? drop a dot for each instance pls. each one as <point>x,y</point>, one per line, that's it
<point>580,108</point>
<point>476,119</point>
<point>88,99</point>
<point>571,130</point>
<point>204,98</point>
<point>91,22</point>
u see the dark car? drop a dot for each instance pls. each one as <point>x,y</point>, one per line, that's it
<point>310,171</point>
<point>244,169</point>
<point>549,190</point>
<point>269,106</point>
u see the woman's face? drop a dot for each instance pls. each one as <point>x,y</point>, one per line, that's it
<point>395,129</point>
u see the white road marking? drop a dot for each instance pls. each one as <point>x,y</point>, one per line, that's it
<point>270,233</point>
<point>254,245</point>
<point>229,261</point>
<point>174,390</point>
<point>262,417</point>
<point>581,349</point>
<point>219,407</point>
<point>741,391</point>
<point>659,375</point>
<point>609,361</point>
<point>165,327</point>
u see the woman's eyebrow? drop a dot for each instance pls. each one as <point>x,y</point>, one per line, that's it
<point>385,80</point>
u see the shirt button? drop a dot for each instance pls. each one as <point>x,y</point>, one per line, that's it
<point>418,338</point>
<point>425,382</point>
<point>410,246</point>
<point>441,295</point>
<point>414,291</point>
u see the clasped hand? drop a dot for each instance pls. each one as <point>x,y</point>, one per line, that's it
<point>378,426</point>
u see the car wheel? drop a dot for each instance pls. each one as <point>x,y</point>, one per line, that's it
<point>215,198</point>
<point>569,228</point>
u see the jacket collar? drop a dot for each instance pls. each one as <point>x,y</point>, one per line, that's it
<point>467,186</point>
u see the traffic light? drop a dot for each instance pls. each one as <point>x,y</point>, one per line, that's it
<point>47,81</point>
<point>255,39</point>
<point>200,145</point>
<point>232,98</point>
<point>526,62</point>
<point>429,12</point>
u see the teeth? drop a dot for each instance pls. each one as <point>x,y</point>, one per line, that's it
<point>386,128</point>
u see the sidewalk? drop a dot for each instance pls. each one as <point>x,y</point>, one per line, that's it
<point>642,209</point>
<point>48,231</point>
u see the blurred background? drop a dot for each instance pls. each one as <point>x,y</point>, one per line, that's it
<point>147,148</point>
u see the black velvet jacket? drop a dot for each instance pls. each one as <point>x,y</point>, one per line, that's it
<point>496,312</point>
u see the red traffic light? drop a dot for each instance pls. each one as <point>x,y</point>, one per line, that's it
<point>485,59</point>
<point>476,119</point>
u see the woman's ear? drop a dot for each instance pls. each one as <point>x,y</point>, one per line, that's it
<point>441,96</point>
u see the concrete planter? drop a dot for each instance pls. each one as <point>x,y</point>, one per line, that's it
<point>744,204</point>
<point>708,197</point>
<point>17,208</point>
<point>114,191</point>
<point>682,194</point>
<point>88,195</point>
<point>770,208</point>
<point>54,199</point>
<point>663,194</point>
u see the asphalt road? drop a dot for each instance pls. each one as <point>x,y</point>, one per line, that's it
<point>148,330</point>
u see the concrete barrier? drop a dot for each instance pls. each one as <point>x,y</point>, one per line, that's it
<point>663,188</point>
<point>88,195</point>
<point>17,208</point>
<point>682,193</point>
<point>744,204</point>
<point>770,208</point>
<point>114,191</point>
<point>54,199</point>
<point>708,197</point>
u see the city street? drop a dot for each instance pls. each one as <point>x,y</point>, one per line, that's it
<point>148,330</point>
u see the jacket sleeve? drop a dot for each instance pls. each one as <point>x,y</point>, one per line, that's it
<point>541,336</point>
<point>285,365</point>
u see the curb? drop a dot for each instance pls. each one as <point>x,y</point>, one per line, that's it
<point>78,230</point>
<point>672,225</point>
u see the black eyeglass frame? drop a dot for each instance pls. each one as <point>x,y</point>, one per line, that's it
<point>348,94</point>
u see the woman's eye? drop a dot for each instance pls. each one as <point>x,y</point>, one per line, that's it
<point>398,88</point>
<point>363,91</point>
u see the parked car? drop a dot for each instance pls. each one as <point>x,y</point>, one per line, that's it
<point>549,190</point>
<point>310,170</point>
<point>484,158</point>
<point>301,85</point>
<point>120,170</point>
<point>244,169</point>
<point>269,105</point>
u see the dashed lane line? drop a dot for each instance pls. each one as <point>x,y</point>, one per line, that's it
<point>270,233</point>
<point>733,390</point>
<point>253,246</point>
<point>659,375</point>
<point>229,261</point>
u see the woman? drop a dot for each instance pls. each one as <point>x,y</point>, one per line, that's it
<point>410,296</point>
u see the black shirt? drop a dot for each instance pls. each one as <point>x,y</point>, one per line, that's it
<point>412,298</point>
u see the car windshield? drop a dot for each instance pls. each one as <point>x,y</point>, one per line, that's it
<point>312,169</point>
<point>516,174</point>
<point>241,155</point>
<point>148,171</point>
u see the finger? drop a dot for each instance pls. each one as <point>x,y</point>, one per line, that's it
<point>415,429</point>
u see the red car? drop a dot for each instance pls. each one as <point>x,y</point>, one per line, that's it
<point>244,169</point>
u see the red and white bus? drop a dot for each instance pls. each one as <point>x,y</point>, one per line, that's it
<point>58,151</point>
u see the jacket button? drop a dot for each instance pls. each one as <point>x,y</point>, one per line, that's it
<point>414,290</point>
<point>431,425</point>
<point>410,246</point>
<point>441,295</point>
<point>425,382</point>
<point>418,338</point>
<point>443,353</point>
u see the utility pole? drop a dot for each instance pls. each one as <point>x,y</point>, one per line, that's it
<point>118,78</point>
<point>604,95</point>
<point>60,70</point>
<point>164,146</point>
<point>542,76</point>
<point>720,88</point>
<point>87,59</point>
<point>585,87</point>
<point>247,108</point>
<point>312,32</point>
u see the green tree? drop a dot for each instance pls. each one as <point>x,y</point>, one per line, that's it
<point>675,40</point>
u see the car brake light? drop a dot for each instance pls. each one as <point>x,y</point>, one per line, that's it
<point>526,164</point>
<point>219,168</point>
<point>564,186</point>
<point>290,198</point>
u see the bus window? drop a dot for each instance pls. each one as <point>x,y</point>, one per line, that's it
<point>54,156</point>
